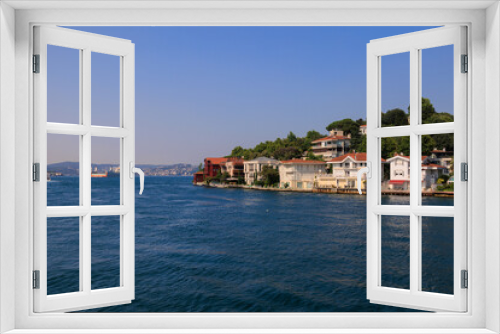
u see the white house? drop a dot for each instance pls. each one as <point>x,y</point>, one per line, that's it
<point>442,157</point>
<point>362,129</point>
<point>252,168</point>
<point>399,177</point>
<point>345,170</point>
<point>299,174</point>
<point>336,144</point>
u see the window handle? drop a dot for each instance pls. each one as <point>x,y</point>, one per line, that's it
<point>139,171</point>
<point>365,170</point>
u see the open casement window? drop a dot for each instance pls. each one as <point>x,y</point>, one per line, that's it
<point>56,213</point>
<point>417,168</point>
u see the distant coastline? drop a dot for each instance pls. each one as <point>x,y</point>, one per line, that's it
<point>344,191</point>
<point>71,168</point>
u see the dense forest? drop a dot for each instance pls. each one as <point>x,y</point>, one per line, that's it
<point>296,147</point>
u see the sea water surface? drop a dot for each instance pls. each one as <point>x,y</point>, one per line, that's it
<point>203,249</point>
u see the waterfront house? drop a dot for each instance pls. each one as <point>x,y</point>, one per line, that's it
<point>299,174</point>
<point>212,167</point>
<point>234,167</point>
<point>344,172</point>
<point>332,146</point>
<point>442,157</point>
<point>252,168</point>
<point>198,177</point>
<point>431,172</point>
<point>399,176</point>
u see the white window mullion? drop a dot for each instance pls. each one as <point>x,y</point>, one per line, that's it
<point>414,172</point>
<point>85,174</point>
<point>127,103</point>
<point>373,187</point>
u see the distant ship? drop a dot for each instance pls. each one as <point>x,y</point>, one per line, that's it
<point>96,174</point>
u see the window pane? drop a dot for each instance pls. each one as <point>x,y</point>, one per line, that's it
<point>437,254</point>
<point>63,170</point>
<point>63,255</point>
<point>395,90</point>
<point>105,89</point>
<point>63,85</point>
<point>395,251</point>
<point>438,170</point>
<point>105,252</point>
<point>396,171</point>
<point>105,171</point>
<point>437,85</point>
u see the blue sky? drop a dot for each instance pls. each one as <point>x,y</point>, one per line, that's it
<point>200,91</point>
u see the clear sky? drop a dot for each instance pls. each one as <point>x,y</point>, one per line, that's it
<point>200,91</point>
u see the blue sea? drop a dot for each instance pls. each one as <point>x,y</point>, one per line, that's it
<point>235,250</point>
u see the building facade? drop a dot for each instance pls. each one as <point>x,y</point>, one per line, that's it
<point>335,145</point>
<point>362,130</point>
<point>198,177</point>
<point>234,167</point>
<point>212,166</point>
<point>345,170</point>
<point>253,168</point>
<point>300,174</point>
<point>399,176</point>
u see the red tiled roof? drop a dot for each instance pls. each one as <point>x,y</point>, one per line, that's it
<point>300,161</point>
<point>216,161</point>
<point>234,160</point>
<point>362,126</point>
<point>329,138</point>
<point>198,173</point>
<point>355,156</point>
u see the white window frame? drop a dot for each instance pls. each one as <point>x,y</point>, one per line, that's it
<point>86,44</point>
<point>414,44</point>
<point>484,49</point>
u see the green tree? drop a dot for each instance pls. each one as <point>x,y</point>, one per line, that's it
<point>362,145</point>
<point>393,145</point>
<point>427,110</point>
<point>347,125</point>
<point>287,153</point>
<point>428,144</point>
<point>291,137</point>
<point>361,121</point>
<point>200,167</point>
<point>394,117</point>
<point>444,141</point>
<point>270,176</point>
<point>313,135</point>
<point>441,117</point>
<point>238,151</point>
<point>311,156</point>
